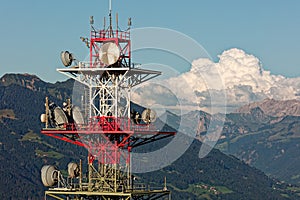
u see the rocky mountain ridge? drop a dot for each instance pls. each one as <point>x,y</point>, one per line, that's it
<point>274,107</point>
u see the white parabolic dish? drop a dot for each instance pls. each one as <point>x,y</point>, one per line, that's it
<point>109,53</point>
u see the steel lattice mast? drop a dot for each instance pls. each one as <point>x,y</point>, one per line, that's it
<point>104,122</point>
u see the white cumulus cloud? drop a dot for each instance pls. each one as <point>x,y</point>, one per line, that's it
<point>240,76</point>
<point>236,79</point>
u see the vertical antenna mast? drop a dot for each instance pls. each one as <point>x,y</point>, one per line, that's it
<point>109,6</point>
<point>110,19</point>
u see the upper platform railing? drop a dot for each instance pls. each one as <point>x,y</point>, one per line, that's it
<point>107,34</point>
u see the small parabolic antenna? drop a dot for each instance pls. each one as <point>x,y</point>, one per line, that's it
<point>73,170</point>
<point>148,116</point>
<point>60,117</point>
<point>49,175</point>
<point>66,58</point>
<point>109,53</point>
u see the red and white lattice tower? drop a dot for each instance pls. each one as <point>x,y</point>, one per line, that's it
<point>103,122</point>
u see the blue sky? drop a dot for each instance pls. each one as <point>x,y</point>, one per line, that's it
<point>34,32</point>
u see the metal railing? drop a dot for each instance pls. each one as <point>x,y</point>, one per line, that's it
<point>124,35</point>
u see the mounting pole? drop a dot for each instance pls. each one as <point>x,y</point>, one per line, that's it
<point>47,111</point>
<point>165,184</point>
<point>80,175</point>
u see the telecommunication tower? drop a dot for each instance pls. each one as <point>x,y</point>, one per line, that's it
<point>104,122</point>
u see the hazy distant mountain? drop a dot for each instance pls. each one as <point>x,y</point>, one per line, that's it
<point>266,135</point>
<point>23,151</point>
<point>274,107</point>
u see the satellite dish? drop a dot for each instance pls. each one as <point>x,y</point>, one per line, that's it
<point>59,116</point>
<point>66,58</point>
<point>49,175</point>
<point>73,170</point>
<point>148,116</point>
<point>109,53</point>
<point>77,115</point>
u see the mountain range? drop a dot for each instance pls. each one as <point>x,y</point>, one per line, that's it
<point>266,135</point>
<point>23,150</point>
<point>274,107</point>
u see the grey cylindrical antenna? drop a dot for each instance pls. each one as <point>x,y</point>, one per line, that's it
<point>91,20</point>
<point>117,20</point>
<point>129,21</point>
<point>104,23</point>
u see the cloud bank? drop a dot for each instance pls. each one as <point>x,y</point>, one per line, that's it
<point>237,76</point>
